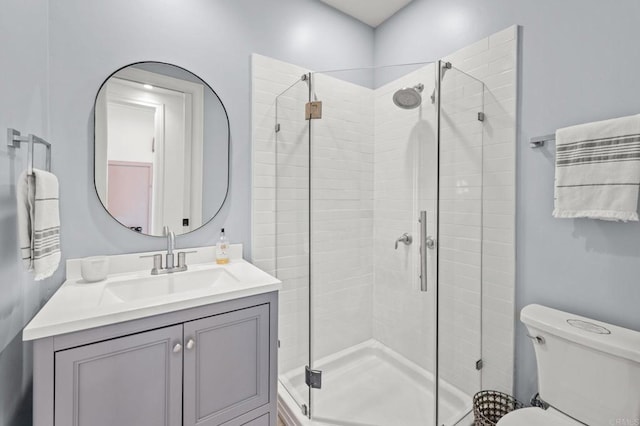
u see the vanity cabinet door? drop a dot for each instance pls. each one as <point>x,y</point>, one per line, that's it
<point>226,366</point>
<point>132,380</point>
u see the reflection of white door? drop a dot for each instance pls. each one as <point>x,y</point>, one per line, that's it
<point>135,132</point>
<point>174,109</point>
<point>155,126</point>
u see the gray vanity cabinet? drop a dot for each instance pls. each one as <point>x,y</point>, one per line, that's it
<point>206,366</point>
<point>133,380</point>
<point>226,366</point>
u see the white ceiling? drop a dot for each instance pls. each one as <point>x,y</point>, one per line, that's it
<point>371,12</point>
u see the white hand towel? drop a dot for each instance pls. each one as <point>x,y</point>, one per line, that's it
<point>39,222</point>
<point>598,170</point>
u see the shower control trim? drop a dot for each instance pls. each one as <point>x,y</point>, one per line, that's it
<point>405,238</point>
<point>431,243</point>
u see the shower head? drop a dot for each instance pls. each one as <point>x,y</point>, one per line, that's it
<point>409,97</point>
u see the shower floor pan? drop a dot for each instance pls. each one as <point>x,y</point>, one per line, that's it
<point>370,385</point>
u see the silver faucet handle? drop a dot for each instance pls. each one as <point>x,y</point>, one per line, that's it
<point>170,262</point>
<point>157,261</point>
<point>182,258</point>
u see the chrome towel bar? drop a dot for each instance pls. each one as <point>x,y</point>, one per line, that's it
<point>539,141</point>
<point>14,139</point>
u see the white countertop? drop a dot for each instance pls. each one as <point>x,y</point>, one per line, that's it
<point>78,305</point>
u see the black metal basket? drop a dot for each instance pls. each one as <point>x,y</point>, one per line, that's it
<point>490,406</point>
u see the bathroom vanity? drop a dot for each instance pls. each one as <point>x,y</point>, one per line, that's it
<point>191,348</point>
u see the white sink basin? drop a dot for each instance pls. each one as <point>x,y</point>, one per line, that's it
<point>127,289</point>
<point>130,292</point>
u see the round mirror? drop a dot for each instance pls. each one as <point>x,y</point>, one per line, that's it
<point>161,148</point>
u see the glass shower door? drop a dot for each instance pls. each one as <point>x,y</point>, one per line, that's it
<point>460,208</point>
<point>292,238</point>
<point>373,170</point>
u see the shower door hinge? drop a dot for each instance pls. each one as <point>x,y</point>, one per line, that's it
<point>313,110</point>
<point>304,409</point>
<point>277,127</point>
<point>278,343</point>
<point>313,378</point>
<point>479,364</point>
<point>481,116</point>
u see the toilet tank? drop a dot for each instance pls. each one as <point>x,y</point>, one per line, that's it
<point>587,369</point>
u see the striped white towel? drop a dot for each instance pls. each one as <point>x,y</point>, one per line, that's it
<point>39,223</point>
<point>598,170</point>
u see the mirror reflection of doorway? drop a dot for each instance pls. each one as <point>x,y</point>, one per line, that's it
<point>151,125</point>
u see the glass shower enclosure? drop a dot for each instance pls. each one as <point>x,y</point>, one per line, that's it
<point>379,244</point>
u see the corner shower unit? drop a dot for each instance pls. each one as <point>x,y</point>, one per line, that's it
<point>381,199</point>
<point>367,199</point>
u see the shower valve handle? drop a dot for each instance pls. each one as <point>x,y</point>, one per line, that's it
<point>405,238</point>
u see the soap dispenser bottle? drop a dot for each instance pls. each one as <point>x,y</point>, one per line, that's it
<point>222,249</point>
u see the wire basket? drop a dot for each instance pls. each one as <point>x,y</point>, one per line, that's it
<point>490,406</point>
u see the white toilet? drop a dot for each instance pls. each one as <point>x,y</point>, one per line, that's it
<point>588,371</point>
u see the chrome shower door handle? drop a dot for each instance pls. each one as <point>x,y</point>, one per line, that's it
<point>424,244</point>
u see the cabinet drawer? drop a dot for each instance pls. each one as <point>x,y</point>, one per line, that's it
<point>226,368</point>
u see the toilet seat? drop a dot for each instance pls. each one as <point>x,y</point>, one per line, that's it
<point>534,416</point>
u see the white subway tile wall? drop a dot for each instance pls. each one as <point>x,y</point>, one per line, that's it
<point>342,207</point>
<point>494,61</point>
<point>373,168</point>
<point>498,70</point>
<point>342,215</point>
<point>280,199</point>
<point>460,257</point>
<point>405,183</point>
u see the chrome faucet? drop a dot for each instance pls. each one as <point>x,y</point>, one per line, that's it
<point>170,265</point>
<point>171,245</point>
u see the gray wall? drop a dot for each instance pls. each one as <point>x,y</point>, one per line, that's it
<point>579,63</point>
<point>23,105</point>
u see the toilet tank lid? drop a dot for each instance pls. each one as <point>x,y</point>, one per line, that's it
<point>608,338</point>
